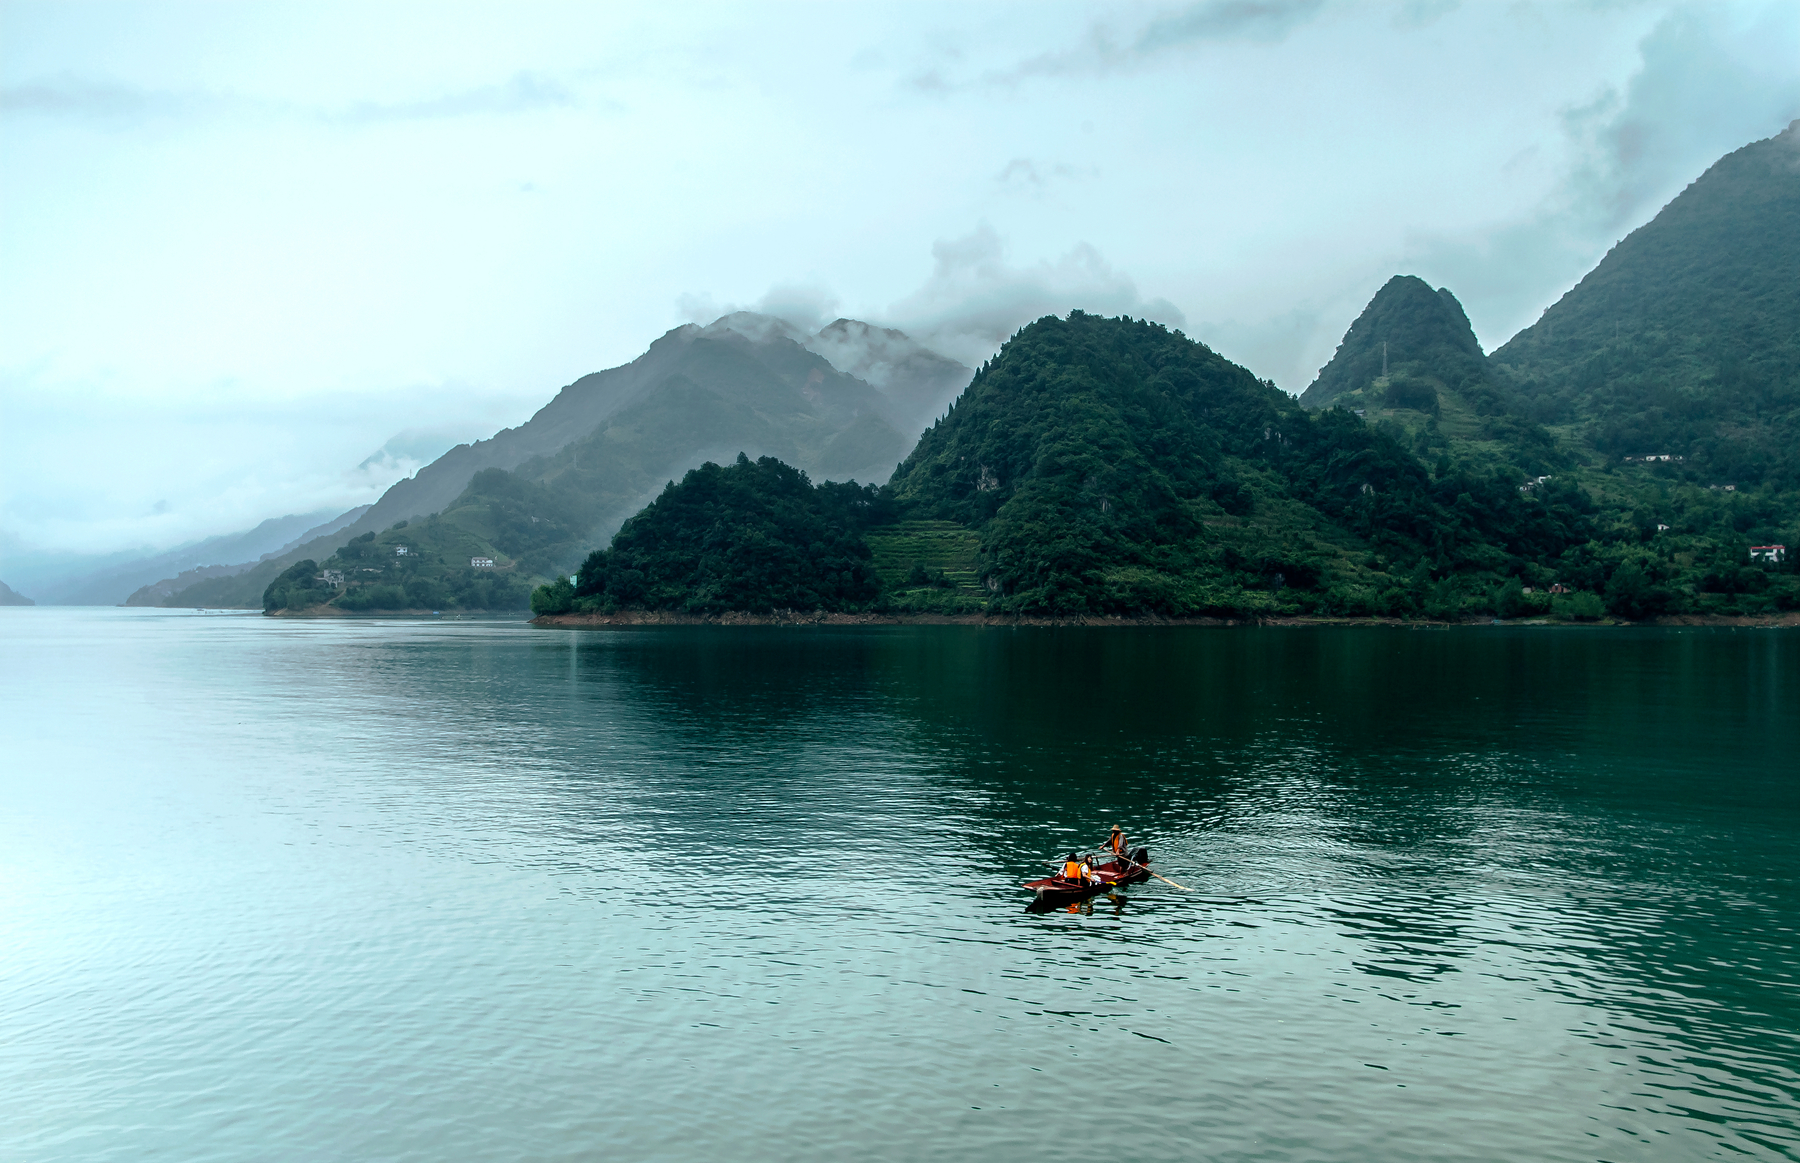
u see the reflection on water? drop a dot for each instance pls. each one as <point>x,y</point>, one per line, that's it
<point>386,889</point>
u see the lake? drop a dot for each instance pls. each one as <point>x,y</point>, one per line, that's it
<point>391,889</point>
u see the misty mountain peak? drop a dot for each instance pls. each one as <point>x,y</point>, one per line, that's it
<point>755,327</point>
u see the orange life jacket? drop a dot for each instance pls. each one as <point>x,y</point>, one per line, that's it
<point>1117,843</point>
<point>1071,870</point>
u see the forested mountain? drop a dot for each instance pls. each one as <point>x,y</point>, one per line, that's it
<point>1410,343</point>
<point>1110,465</point>
<point>1411,364</point>
<point>755,536</point>
<point>538,497</point>
<point>1685,340</point>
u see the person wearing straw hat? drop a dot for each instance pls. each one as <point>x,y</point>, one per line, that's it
<point>1116,842</point>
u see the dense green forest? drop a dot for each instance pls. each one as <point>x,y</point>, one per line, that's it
<point>1111,466</point>
<point>753,536</point>
<point>1685,339</point>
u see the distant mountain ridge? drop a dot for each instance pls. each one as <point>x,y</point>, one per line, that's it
<point>11,597</point>
<point>153,593</point>
<point>112,583</point>
<point>605,444</point>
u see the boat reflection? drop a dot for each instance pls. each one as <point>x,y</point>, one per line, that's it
<point>1084,908</point>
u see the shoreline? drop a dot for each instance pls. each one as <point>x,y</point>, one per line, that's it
<point>1786,620</point>
<point>636,618</point>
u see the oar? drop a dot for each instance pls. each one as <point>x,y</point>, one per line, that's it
<point>1135,864</point>
<point>1157,875</point>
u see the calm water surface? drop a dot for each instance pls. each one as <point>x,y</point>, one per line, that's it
<point>406,890</point>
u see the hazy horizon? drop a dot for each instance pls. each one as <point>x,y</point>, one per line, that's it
<point>267,259</point>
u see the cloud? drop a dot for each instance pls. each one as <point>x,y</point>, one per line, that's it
<point>108,102</point>
<point>522,93</point>
<point>1101,52</point>
<point>83,99</point>
<point>1703,84</point>
<point>1710,80</point>
<point>806,305</point>
<point>1023,172</point>
<point>974,298</point>
<point>1265,20</point>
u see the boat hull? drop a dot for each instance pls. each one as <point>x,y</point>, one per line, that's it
<point>1058,890</point>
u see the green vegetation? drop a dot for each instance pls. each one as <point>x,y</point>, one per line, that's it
<point>1685,339</point>
<point>1112,466</point>
<point>928,567</point>
<point>755,536</point>
<point>436,571</point>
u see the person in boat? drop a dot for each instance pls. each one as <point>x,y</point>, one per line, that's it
<point>1075,868</point>
<point>1115,843</point>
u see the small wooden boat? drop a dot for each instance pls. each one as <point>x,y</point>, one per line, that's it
<point>1059,890</point>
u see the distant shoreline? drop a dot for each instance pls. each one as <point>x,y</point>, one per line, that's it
<point>628,618</point>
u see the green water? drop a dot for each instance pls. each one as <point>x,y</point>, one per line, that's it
<point>429,890</point>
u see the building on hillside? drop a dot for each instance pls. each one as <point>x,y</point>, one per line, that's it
<point>402,550</point>
<point>481,562</point>
<point>1559,588</point>
<point>1661,528</point>
<point>332,577</point>
<point>1769,553</point>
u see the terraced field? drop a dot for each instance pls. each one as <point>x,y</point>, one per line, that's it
<point>935,545</point>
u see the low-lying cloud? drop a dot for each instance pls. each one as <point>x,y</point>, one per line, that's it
<point>108,102</point>
<point>975,297</point>
<point>1102,51</point>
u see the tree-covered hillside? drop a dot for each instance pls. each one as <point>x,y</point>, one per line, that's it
<point>431,564</point>
<point>1685,340</point>
<point>1409,344</point>
<point>1111,465</point>
<point>753,536</point>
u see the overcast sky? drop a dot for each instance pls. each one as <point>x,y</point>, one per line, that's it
<point>244,245</point>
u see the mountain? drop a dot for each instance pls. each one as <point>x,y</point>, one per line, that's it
<point>9,597</point>
<point>1106,466</point>
<point>1664,388</point>
<point>1409,344</point>
<point>1113,466</point>
<point>109,581</point>
<point>1411,363</point>
<point>1685,339</point>
<point>606,445</point>
<point>910,378</point>
<point>158,592</point>
<point>755,536</point>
